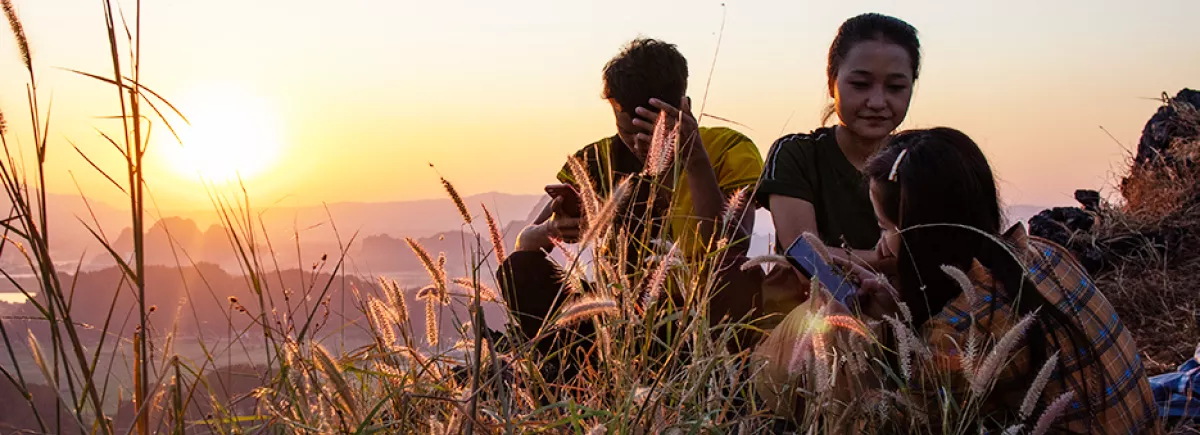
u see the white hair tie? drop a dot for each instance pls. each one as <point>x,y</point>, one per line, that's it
<point>896,164</point>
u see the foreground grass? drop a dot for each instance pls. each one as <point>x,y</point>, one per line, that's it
<point>657,364</point>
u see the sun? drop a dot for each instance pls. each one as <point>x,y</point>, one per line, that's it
<point>232,135</point>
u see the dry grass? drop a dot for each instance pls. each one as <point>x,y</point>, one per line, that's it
<point>1151,247</point>
<point>656,364</point>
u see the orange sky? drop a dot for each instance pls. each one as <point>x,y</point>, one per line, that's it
<point>356,97</point>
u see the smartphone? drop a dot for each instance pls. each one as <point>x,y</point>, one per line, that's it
<point>809,262</point>
<point>571,204</point>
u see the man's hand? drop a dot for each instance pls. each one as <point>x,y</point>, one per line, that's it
<point>691,149</point>
<point>559,226</point>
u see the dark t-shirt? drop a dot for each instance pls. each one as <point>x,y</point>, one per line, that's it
<point>812,167</point>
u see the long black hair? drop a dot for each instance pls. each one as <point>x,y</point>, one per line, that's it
<point>938,187</point>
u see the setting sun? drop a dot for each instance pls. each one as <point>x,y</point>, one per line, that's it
<point>231,135</point>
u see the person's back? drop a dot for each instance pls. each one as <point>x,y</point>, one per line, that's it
<point>1107,386</point>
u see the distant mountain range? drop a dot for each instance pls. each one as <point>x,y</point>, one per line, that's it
<point>204,237</point>
<point>298,236</point>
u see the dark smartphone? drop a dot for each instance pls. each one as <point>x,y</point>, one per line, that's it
<point>806,259</point>
<point>571,203</point>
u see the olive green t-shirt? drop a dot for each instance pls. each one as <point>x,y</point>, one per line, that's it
<point>812,167</point>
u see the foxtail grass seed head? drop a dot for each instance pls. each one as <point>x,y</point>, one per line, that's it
<point>733,206</point>
<point>327,365</point>
<point>970,355</point>
<point>773,259</point>
<point>422,255</point>
<point>817,245</point>
<point>1039,385</point>
<point>1053,412</point>
<point>382,317</point>
<point>823,372</point>
<point>428,293</point>
<point>396,298</point>
<point>963,281</point>
<point>18,33</point>
<point>801,351</point>
<point>995,360</point>
<point>39,358</point>
<point>494,234</point>
<point>486,293</point>
<point>574,284</point>
<point>3,124</point>
<point>658,279</point>
<point>905,342</point>
<point>601,221</point>
<point>431,323</point>
<point>432,269</point>
<point>662,146</point>
<point>583,181</point>
<point>458,201</point>
<point>442,282</point>
<point>585,308</point>
<point>905,313</point>
<point>848,323</point>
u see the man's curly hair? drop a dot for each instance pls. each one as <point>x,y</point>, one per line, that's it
<point>644,69</point>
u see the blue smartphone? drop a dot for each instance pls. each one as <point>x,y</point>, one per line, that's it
<point>806,259</point>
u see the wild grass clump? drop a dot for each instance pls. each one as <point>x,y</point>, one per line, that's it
<point>665,355</point>
<point>1149,243</point>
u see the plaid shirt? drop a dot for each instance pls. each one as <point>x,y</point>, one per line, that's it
<point>1125,405</point>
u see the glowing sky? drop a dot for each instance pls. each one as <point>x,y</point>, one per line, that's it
<point>358,96</point>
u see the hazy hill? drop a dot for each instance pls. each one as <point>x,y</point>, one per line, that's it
<point>300,235</point>
<point>195,302</point>
<point>68,235</point>
<point>397,218</point>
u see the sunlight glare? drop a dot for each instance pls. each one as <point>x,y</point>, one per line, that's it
<point>232,135</point>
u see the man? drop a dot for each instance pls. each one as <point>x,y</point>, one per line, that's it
<point>642,83</point>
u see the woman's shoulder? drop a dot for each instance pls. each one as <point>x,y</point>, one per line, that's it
<point>805,142</point>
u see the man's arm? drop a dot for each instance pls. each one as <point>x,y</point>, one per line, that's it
<point>794,216</point>
<point>707,199</point>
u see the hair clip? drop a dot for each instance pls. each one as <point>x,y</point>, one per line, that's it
<point>896,165</point>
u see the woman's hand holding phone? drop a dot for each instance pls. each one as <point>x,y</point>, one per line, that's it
<point>876,297</point>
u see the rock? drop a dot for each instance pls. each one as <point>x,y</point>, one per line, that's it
<point>1165,126</point>
<point>1061,225</point>
<point>1090,199</point>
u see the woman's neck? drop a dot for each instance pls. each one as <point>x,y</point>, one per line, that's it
<point>856,148</point>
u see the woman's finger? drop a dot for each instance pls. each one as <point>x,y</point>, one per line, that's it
<point>853,267</point>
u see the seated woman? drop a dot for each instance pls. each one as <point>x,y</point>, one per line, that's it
<point>813,182</point>
<point>1002,325</point>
